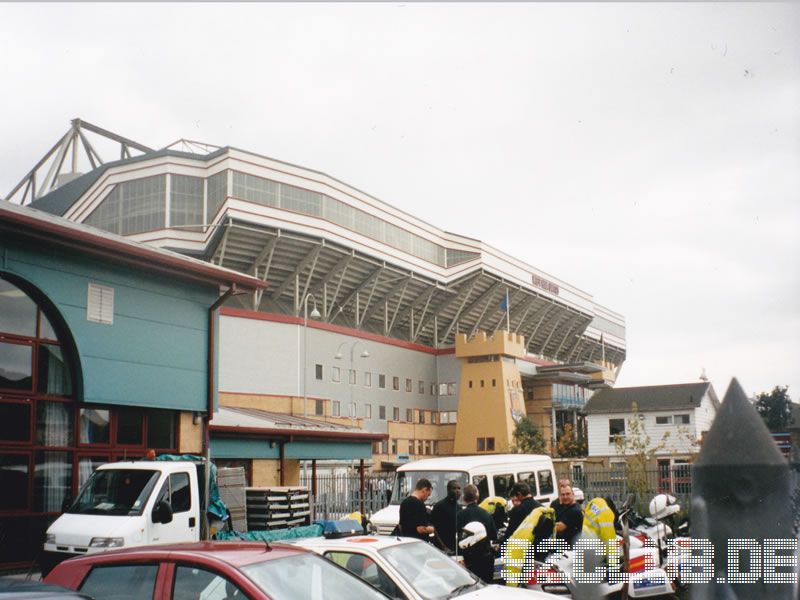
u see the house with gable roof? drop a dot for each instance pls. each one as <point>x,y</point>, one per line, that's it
<point>674,418</point>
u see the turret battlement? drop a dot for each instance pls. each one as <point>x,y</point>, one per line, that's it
<point>502,342</point>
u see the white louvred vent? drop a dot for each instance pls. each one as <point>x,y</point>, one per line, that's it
<point>100,304</point>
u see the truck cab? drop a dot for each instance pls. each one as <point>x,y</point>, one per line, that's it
<point>126,504</point>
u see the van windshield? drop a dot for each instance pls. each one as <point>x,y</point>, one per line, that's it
<point>405,481</point>
<point>121,492</point>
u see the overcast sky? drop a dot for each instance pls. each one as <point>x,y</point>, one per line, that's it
<point>648,154</point>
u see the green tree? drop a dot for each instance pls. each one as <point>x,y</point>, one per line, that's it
<point>569,446</point>
<point>775,408</point>
<point>527,439</point>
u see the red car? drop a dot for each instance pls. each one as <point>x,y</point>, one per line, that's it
<point>211,571</point>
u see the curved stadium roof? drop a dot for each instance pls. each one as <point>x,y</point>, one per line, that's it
<point>369,265</point>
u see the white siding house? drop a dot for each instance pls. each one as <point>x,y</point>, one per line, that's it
<point>674,416</point>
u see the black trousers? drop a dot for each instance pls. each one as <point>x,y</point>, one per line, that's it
<point>481,564</point>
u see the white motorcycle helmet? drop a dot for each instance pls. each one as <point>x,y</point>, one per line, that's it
<point>473,532</point>
<point>663,506</point>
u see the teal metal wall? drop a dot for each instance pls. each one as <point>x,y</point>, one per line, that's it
<point>153,355</point>
<point>337,450</point>
<point>243,448</point>
<point>260,448</point>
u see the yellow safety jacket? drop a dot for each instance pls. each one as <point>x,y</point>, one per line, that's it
<point>520,546</point>
<point>598,522</point>
<point>491,503</point>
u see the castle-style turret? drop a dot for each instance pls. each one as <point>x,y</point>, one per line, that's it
<point>490,397</point>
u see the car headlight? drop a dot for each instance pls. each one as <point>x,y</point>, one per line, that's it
<point>107,542</point>
<point>50,538</point>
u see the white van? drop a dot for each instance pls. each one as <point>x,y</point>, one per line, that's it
<point>494,474</point>
<point>126,504</point>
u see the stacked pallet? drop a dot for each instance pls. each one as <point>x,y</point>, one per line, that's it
<point>231,482</point>
<point>277,507</point>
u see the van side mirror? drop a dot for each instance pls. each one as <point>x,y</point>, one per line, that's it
<point>162,513</point>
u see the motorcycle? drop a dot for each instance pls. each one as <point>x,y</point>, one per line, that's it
<point>636,570</point>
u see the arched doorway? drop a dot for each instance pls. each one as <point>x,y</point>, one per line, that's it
<point>50,442</point>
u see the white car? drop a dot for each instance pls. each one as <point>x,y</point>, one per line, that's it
<point>410,569</point>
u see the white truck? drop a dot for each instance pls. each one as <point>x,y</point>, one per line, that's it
<point>126,504</point>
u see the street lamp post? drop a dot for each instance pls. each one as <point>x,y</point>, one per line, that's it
<point>338,356</point>
<point>314,315</point>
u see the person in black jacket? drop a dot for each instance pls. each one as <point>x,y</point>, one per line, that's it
<point>414,520</point>
<point>478,558</point>
<point>444,515</point>
<point>523,506</point>
<point>569,516</point>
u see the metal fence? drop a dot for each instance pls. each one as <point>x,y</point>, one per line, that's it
<point>615,484</point>
<point>338,494</point>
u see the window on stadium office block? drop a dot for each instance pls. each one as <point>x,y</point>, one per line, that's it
<point>396,413</point>
<point>368,411</point>
<point>485,444</point>
<point>367,379</point>
<point>410,415</point>
<point>335,408</point>
<point>382,412</point>
<point>394,446</point>
<point>409,385</point>
<point>382,381</point>
<point>396,384</point>
<point>352,378</point>
<point>319,407</point>
<point>318,372</point>
<point>421,386</point>
<point>335,374</point>
<point>422,416</point>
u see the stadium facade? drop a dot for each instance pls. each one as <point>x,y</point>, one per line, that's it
<point>363,304</point>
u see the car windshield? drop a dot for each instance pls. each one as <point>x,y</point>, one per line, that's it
<point>430,572</point>
<point>308,576</point>
<point>120,492</point>
<point>405,481</point>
